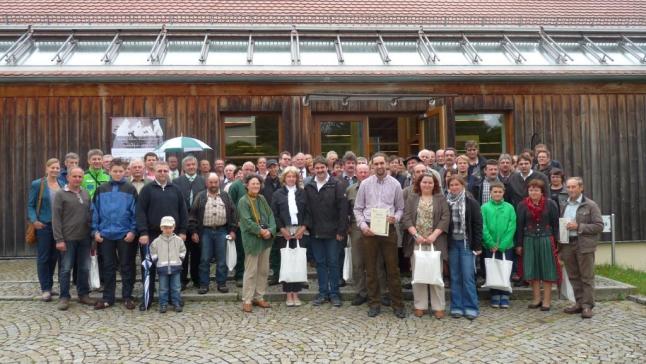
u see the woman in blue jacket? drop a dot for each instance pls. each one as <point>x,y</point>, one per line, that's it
<point>39,211</point>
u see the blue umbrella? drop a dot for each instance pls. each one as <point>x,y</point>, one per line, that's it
<point>146,264</point>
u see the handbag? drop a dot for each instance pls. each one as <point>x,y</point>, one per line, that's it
<point>30,232</point>
<point>347,264</point>
<point>232,254</point>
<point>95,281</point>
<point>566,287</point>
<point>498,273</point>
<point>428,266</point>
<point>293,264</point>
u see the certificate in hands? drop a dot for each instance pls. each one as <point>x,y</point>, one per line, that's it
<point>379,221</point>
<point>564,233</point>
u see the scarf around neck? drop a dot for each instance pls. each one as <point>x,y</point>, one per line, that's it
<point>535,210</point>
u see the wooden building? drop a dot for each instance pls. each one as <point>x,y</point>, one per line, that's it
<point>261,81</point>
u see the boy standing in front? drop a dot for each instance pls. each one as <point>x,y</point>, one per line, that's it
<point>168,251</point>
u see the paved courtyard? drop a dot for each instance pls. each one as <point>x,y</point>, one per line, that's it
<point>216,330</point>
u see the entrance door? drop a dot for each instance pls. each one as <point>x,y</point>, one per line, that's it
<point>341,133</point>
<point>433,128</point>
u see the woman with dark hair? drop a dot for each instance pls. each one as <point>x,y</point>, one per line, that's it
<point>465,243</point>
<point>558,192</point>
<point>257,228</point>
<point>289,205</point>
<point>536,232</point>
<point>39,211</point>
<point>426,217</point>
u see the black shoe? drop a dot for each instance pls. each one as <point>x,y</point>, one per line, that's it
<point>400,313</point>
<point>181,303</point>
<point>319,301</point>
<point>238,282</point>
<point>306,285</point>
<point>273,281</point>
<point>336,301</point>
<point>386,301</point>
<point>184,284</point>
<point>359,300</point>
<point>343,283</point>
<point>407,286</point>
<point>142,307</point>
<point>222,288</point>
<point>163,309</point>
<point>178,308</point>
<point>374,311</point>
<point>202,290</point>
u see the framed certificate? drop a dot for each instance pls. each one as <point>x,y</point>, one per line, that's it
<point>564,233</point>
<point>379,221</point>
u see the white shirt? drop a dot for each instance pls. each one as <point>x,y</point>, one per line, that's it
<point>570,212</point>
<point>528,174</point>
<point>319,185</point>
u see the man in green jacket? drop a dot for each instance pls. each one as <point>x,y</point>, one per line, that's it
<point>95,175</point>
<point>498,228</point>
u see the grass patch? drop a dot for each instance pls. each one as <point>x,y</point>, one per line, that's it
<point>627,275</point>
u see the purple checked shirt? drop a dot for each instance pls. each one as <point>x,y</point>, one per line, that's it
<point>375,193</point>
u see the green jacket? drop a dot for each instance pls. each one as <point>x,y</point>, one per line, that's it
<point>236,191</point>
<point>252,243</point>
<point>498,225</point>
<point>93,179</point>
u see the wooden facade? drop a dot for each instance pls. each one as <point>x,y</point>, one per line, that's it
<point>596,130</point>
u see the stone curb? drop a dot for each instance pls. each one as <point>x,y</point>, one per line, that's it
<point>637,299</point>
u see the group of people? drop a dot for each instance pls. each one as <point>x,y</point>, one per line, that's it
<point>180,218</point>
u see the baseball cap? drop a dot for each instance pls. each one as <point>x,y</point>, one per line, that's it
<point>167,221</point>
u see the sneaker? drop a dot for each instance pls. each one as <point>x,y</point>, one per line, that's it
<point>495,301</point>
<point>504,302</point>
<point>374,311</point>
<point>400,313</point>
<point>297,302</point>
<point>289,302</point>
<point>336,301</point>
<point>163,308</point>
<point>319,301</point>
<point>63,304</point>
<point>203,290</point>
<point>178,308</point>
<point>359,300</point>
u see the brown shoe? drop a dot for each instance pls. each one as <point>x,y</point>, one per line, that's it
<point>419,313</point>
<point>261,304</point>
<point>129,303</point>
<point>247,308</point>
<point>87,300</point>
<point>573,310</point>
<point>63,304</point>
<point>439,314</point>
<point>586,313</point>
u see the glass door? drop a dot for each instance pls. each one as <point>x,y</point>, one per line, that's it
<point>432,128</point>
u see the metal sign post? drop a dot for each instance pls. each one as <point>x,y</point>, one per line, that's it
<point>609,227</point>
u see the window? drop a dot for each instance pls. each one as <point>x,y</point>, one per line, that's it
<point>488,130</point>
<point>249,137</point>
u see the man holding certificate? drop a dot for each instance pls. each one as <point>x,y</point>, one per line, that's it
<point>378,206</point>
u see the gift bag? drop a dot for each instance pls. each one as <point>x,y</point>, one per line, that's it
<point>232,255</point>
<point>428,267</point>
<point>498,273</point>
<point>293,264</point>
<point>347,264</point>
<point>566,287</point>
<point>95,280</point>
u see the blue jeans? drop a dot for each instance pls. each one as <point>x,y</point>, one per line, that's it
<point>48,256</point>
<point>174,281</point>
<point>77,251</point>
<point>213,242</point>
<point>509,256</point>
<point>326,255</point>
<point>464,296</point>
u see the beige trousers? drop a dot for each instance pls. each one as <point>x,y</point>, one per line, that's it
<point>256,271</point>
<point>421,291</point>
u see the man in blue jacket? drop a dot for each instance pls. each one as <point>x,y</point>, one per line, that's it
<point>114,229</point>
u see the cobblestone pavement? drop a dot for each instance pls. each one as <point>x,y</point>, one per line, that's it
<point>220,332</point>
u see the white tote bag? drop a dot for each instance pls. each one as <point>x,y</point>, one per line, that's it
<point>232,255</point>
<point>293,264</point>
<point>428,267</point>
<point>95,281</point>
<point>347,264</point>
<point>498,273</point>
<point>566,287</point>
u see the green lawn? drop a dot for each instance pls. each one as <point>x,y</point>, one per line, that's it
<point>626,275</point>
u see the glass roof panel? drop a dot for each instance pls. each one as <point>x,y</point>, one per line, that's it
<point>227,53</point>
<point>87,54</point>
<point>492,54</point>
<point>183,53</point>
<point>450,54</point>
<point>318,53</point>
<point>4,46</point>
<point>579,55</point>
<point>360,53</point>
<point>404,53</point>
<point>272,53</point>
<point>133,53</point>
<point>41,54</point>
